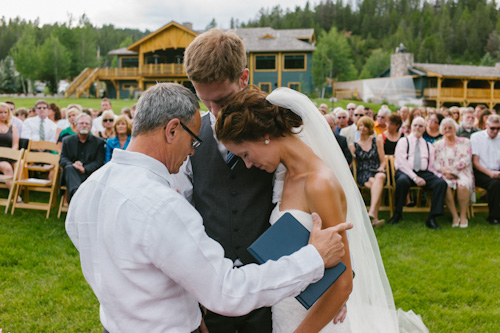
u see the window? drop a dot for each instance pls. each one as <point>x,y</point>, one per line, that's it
<point>129,62</point>
<point>295,62</point>
<point>265,62</point>
<point>294,85</point>
<point>130,86</point>
<point>265,87</point>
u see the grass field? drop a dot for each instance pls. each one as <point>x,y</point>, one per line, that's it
<point>450,277</point>
<point>121,103</point>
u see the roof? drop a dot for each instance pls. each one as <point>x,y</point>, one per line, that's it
<point>135,46</point>
<point>271,40</point>
<point>459,70</point>
<point>122,51</point>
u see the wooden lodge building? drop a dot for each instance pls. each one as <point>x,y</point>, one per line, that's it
<point>275,58</point>
<point>441,84</point>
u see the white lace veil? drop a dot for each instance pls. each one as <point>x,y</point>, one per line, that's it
<point>371,305</point>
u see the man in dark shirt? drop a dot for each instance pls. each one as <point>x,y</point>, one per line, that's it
<point>342,141</point>
<point>81,155</point>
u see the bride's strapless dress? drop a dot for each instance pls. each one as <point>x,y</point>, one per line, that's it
<point>289,313</point>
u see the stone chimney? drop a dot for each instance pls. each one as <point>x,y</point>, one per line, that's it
<point>497,66</point>
<point>400,61</point>
<point>188,25</point>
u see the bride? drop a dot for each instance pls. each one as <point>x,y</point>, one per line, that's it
<point>286,129</point>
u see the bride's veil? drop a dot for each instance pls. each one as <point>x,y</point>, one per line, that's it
<point>370,306</point>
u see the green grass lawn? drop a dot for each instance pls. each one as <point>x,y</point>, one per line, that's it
<point>450,277</point>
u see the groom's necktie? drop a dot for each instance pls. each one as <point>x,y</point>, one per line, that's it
<point>418,159</point>
<point>231,160</point>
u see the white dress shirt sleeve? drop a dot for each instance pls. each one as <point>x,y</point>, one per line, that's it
<point>182,250</point>
<point>401,161</point>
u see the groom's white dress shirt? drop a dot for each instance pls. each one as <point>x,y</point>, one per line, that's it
<point>31,129</point>
<point>145,253</point>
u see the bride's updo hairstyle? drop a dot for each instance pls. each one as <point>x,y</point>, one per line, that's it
<point>248,116</point>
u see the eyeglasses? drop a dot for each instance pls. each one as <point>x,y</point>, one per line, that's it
<point>108,120</point>
<point>382,117</point>
<point>351,109</point>
<point>359,114</point>
<point>41,107</point>
<point>495,128</point>
<point>197,142</point>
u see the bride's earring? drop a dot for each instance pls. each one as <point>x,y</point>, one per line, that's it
<point>266,141</point>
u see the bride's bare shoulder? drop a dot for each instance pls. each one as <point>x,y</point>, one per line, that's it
<point>322,181</point>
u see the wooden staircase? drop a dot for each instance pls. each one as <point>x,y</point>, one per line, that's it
<point>82,82</point>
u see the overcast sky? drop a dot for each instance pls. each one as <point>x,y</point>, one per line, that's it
<point>143,14</point>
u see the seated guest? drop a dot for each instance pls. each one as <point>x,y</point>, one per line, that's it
<point>72,114</point>
<point>369,112</point>
<point>414,164</point>
<point>391,136</point>
<point>351,107</point>
<point>404,113</point>
<point>453,159</point>
<point>21,113</point>
<point>481,124</point>
<point>40,128</point>
<point>414,113</point>
<point>8,138</point>
<point>81,155</point>
<point>370,157</point>
<point>18,123</point>
<point>351,132</point>
<point>342,119</point>
<point>126,111</point>
<point>381,123</point>
<point>108,122</point>
<point>432,133</point>
<point>330,118</point>
<point>486,162</point>
<point>323,108</point>
<point>479,109</point>
<point>123,130</point>
<point>467,128</point>
<point>455,114</point>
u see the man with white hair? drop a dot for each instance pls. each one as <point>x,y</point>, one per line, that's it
<point>414,163</point>
<point>382,118</point>
<point>81,155</point>
<point>342,117</point>
<point>467,128</point>
<point>323,108</point>
<point>350,109</point>
<point>486,161</point>
<point>351,132</point>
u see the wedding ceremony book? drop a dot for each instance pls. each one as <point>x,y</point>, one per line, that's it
<point>285,237</point>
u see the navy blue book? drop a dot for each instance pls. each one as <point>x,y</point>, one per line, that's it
<point>285,237</point>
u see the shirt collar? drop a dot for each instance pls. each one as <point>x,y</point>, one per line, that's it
<point>140,160</point>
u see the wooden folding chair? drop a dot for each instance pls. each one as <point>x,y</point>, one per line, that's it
<point>15,155</point>
<point>419,190</point>
<point>63,204</point>
<point>478,207</point>
<point>37,184</point>
<point>388,193</point>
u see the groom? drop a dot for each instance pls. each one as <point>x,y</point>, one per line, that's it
<point>235,202</point>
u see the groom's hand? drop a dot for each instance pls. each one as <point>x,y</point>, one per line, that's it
<point>328,241</point>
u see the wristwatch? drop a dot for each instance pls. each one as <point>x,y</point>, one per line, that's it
<point>414,178</point>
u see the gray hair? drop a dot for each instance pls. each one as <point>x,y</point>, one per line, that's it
<point>448,121</point>
<point>493,119</point>
<point>340,111</point>
<point>384,112</point>
<point>333,116</point>
<point>162,103</point>
<point>83,114</point>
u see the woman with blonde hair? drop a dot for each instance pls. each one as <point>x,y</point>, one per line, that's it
<point>370,171</point>
<point>71,115</point>
<point>123,131</point>
<point>9,138</point>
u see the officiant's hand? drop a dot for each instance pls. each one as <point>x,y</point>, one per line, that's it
<point>328,242</point>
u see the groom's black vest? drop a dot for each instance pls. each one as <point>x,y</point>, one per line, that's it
<point>235,204</point>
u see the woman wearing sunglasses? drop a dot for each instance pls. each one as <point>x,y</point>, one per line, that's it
<point>108,121</point>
